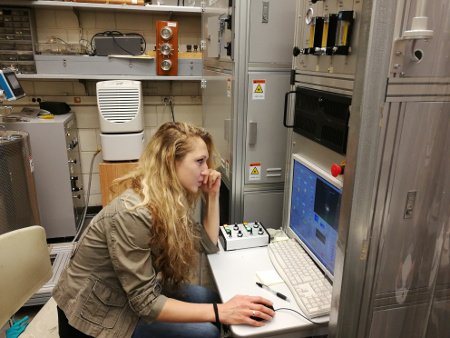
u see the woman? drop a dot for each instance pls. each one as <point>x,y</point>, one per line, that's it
<point>128,274</point>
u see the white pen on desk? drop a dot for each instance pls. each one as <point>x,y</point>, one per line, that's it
<point>279,295</point>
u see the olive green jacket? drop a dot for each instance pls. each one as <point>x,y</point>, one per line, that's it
<point>110,280</point>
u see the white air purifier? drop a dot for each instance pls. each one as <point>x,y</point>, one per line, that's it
<point>121,115</point>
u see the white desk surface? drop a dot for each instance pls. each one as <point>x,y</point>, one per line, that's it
<point>235,273</point>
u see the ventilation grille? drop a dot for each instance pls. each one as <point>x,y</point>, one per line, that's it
<point>322,117</point>
<point>307,125</point>
<point>119,105</point>
<point>336,110</point>
<point>333,136</point>
<point>18,203</point>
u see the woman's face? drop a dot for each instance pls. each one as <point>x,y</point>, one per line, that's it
<point>192,169</point>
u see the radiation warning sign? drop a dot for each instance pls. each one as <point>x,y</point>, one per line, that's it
<point>255,172</point>
<point>259,89</point>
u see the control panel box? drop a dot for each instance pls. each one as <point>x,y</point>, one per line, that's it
<point>167,48</point>
<point>243,235</point>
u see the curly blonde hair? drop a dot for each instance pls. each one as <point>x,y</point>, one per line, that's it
<point>174,233</point>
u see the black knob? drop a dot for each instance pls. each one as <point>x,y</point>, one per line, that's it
<point>228,21</point>
<point>228,48</point>
<point>240,233</point>
<point>314,1</point>
<point>296,51</point>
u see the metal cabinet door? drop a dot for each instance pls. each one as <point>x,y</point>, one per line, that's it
<point>265,207</point>
<point>265,157</point>
<point>217,112</point>
<point>417,201</point>
<point>272,27</point>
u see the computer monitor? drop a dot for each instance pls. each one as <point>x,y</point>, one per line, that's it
<point>10,85</point>
<point>315,202</point>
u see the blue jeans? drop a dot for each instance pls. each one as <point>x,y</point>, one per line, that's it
<point>187,293</point>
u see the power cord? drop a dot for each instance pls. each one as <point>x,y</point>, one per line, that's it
<point>316,323</point>
<point>86,200</point>
<point>167,100</point>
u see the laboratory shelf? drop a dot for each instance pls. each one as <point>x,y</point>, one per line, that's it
<point>81,5</point>
<point>65,73</point>
<point>106,77</point>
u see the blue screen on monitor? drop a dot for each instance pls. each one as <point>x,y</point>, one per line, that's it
<point>314,217</point>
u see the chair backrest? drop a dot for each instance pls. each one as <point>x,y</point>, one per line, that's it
<point>24,268</point>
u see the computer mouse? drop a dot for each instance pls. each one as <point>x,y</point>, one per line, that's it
<point>258,319</point>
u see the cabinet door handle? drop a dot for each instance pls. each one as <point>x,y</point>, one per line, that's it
<point>252,132</point>
<point>286,97</point>
<point>226,129</point>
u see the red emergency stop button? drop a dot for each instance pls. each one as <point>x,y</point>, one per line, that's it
<point>336,170</point>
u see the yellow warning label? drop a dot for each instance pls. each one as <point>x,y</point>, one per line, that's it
<point>258,89</point>
<point>254,172</point>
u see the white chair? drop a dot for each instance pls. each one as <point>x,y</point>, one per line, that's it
<point>24,268</point>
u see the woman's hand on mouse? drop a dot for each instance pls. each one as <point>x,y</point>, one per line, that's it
<point>239,309</point>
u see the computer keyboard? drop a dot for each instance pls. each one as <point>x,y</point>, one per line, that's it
<point>311,289</point>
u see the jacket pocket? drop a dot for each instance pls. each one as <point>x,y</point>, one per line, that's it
<point>103,305</point>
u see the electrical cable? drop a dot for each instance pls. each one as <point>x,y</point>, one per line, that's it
<point>61,40</point>
<point>86,199</point>
<point>285,308</point>
<point>88,46</point>
<point>171,110</point>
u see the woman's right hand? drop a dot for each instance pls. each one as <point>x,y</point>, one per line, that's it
<point>239,309</point>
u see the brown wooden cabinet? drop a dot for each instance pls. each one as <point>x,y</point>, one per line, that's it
<point>109,171</point>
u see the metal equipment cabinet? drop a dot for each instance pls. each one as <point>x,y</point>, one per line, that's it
<point>56,158</point>
<point>246,72</point>
<point>392,261</point>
